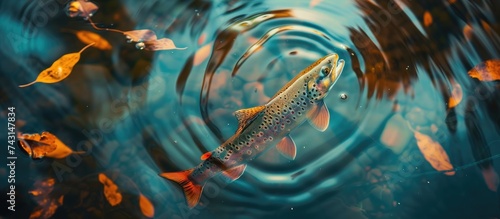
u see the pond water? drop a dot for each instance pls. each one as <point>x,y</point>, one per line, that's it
<point>411,134</point>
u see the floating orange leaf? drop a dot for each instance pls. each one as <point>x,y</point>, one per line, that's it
<point>467,31</point>
<point>47,205</point>
<point>44,145</point>
<point>88,37</point>
<point>146,206</point>
<point>427,18</point>
<point>161,44</point>
<point>111,192</point>
<point>202,54</point>
<point>456,95</point>
<point>486,71</point>
<point>434,153</point>
<point>81,8</point>
<point>140,35</point>
<point>60,69</point>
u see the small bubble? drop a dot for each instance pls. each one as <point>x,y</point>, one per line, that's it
<point>343,96</point>
<point>140,45</point>
<point>175,141</point>
<point>291,209</point>
<point>428,182</point>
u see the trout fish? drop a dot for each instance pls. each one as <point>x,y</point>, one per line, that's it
<point>262,127</point>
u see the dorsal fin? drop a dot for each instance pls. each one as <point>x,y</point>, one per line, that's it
<point>246,115</point>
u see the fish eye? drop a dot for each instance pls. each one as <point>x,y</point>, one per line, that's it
<point>324,71</point>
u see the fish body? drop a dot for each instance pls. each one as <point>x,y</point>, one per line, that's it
<point>263,127</point>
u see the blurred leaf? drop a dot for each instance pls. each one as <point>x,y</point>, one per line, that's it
<point>486,71</point>
<point>44,145</point>
<point>313,3</point>
<point>147,207</point>
<point>434,153</point>
<point>161,44</point>
<point>491,178</point>
<point>111,192</point>
<point>140,35</point>
<point>456,95</point>
<point>47,205</point>
<point>88,37</point>
<point>81,8</point>
<point>202,54</point>
<point>427,18</point>
<point>60,69</point>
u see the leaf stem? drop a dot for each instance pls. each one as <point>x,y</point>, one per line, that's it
<point>25,85</point>
<point>87,46</point>
<point>105,29</point>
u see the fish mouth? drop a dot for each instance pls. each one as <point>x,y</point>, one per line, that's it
<point>336,67</point>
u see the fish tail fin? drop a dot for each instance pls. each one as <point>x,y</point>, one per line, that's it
<point>192,190</point>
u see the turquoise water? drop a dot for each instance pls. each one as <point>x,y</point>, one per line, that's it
<point>138,113</point>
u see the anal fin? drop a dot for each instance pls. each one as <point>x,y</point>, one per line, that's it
<point>287,147</point>
<point>235,172</point>
<point>319,117</point>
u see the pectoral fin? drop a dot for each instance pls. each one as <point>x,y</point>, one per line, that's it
<point>244,116</point>
<point>319,117</point>
<point>287,148</point>
<point>235,172</point>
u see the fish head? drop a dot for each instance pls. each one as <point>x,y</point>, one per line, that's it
<point>324,75</point>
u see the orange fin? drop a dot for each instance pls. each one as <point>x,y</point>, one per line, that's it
<point>206,155</point>
<point>287,147</point>
<point>246,115</point>
<point>235,172</point>
<point>192,190</point>
<point>319,117</point>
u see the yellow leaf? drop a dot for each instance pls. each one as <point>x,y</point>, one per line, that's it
<point>486,71</point>
<point>47,205</point>
<point>111,192</point>
<point>427,19</point>
<point>60,69</point>
<point>81,8</point>
<point>88,37</point>
<point>456,95</point>
<point>44,145</point>
<point>434,153</point>
<point>147,207</point>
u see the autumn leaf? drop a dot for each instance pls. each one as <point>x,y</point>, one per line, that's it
<point>81,8</point>
<point>60,69</point>
<point>44,145</point>
<point>111,192</point>
<point>161,44</point>
<point>88,37</point>
<point>486,71</point>
<point>202,54</point>
<point>313,3</point>
<point>427,19</point>
<point>456,95</point>
<point>146,206</point>
<point>140,35</point>
<point>47,205</point>
<point>434,153</point>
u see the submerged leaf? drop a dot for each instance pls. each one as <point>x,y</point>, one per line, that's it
<point>146,206</point>
<point>47,205</point>
<point>60,69</point>
<point>81,8</point>
<point>111,192</point>
<point>161,44</point>
<point>140,35</point>
<point>486,71</point>
<point>44,145</point>
<point>88,37</point>
<point>456,95</point>
<point>491,178</point>
<point>202,54</point>
<point>434,153</point>
<point>427,19</point>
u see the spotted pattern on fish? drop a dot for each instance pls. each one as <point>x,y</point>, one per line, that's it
<point>265,126</point>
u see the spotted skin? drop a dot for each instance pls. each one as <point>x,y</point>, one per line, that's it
<point>285,111</point>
